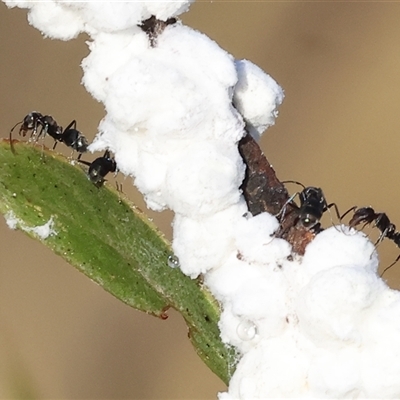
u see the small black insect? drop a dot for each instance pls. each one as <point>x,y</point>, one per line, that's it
<point>71,137</point>
<point>367,215</point>
<point>312,206</point>
<point>154,27</point>
<point>100,167</point>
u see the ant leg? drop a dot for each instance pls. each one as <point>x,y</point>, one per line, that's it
<point>328,207</point>
<point>119,187</point>
<point>380,238</point>
<point>354,208</point>
<point>391,265</point>
<point>34,133</point>
<point>37,136</point>
<point>71,125</point>
<point>84,162</point>
<point>349,210</point>
<point>120,191</point>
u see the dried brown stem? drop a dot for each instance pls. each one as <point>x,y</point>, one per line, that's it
<point>263,191</point>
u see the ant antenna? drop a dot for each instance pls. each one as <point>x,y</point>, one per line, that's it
<point>282,211</point>
<point>295,182</point>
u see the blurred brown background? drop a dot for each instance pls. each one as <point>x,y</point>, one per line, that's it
<point>61,336</point>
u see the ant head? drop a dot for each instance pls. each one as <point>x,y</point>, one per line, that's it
<point>365,211</point>
<point>100,167</point>
<point>95,174</point>
<point>30,122</point>
<point>363,215</point>
<point>313,191</point>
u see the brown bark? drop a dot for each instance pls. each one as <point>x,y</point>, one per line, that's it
<point>263,191</point>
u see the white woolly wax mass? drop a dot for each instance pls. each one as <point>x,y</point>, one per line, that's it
<point>41,231</point>
<point>322,325</point>
<point>257,97</point>
<point>60,19</point>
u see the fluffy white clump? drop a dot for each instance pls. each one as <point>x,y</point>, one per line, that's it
<point>324,325</point>
<point>60,19</point>
<point>41,231</point>
<point>257,97</point>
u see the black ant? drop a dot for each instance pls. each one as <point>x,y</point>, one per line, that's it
<point>367,215</point>
<point>312,206</point>
<point>70,136</point>
<point>100,167</point>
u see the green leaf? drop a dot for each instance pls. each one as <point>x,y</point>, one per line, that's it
<point>104,236</point>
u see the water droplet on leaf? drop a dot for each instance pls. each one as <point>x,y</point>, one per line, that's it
<point>247,330</point>
<point>173,261</point>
